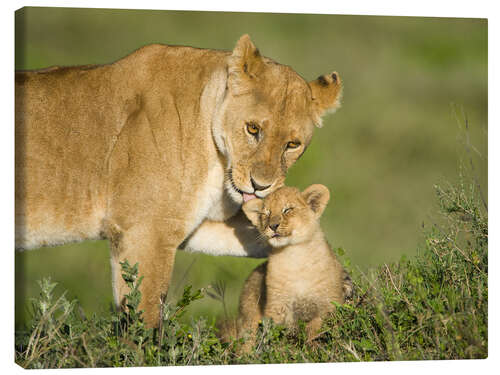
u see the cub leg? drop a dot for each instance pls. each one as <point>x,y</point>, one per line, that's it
<point>277,307</point>
<point>313,327</point>
<point>252,301</point>
<point>146,246</point>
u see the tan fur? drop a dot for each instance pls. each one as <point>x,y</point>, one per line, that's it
<point>144,150</point>
<point>302,275</point>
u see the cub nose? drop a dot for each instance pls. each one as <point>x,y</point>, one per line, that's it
<point>274,226</point>
<point>257,186</point>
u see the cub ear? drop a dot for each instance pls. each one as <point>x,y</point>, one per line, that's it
<point>317,197</point>
<point>326,94</point>
<point>244,66</point>
<point>252,208</point>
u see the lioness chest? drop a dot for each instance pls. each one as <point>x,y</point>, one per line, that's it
<point>212,198</point>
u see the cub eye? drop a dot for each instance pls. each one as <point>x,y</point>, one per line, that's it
<point>253,129</point>
<point>287,210</point>
<point>293,144</point>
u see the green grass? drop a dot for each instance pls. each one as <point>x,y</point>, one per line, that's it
<point>409,84</point>
<point>430,306</point>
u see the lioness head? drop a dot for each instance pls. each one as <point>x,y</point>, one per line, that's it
<point>266,119</point>
<point>288,216</point>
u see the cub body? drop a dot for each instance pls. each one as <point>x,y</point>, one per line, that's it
<point>302,276</point>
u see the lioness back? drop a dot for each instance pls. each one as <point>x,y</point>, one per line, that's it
<point>68,122</point>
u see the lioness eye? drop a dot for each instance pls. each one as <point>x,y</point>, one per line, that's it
<point>253,129</point>
<point>292,144</point>
<point>287,210</point>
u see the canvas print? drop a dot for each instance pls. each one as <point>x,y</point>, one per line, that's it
<point>200,188</point>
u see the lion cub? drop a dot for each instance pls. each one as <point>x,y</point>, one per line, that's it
<point>302,275</point>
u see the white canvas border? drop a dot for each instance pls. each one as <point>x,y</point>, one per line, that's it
<point>476,9</point>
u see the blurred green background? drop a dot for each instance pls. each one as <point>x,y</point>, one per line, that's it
<point>409,84</point>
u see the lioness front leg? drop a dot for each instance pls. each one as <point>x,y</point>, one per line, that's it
<point>235,237</point>
<point>144,245</point>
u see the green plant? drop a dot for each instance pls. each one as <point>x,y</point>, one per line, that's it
<point>60,336</point>
<point>432,306</point>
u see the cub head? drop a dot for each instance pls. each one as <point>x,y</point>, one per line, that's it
<point>266,118</point>
<point>288,216</point>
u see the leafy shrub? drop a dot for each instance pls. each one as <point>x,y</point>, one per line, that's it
<point>433,306</point>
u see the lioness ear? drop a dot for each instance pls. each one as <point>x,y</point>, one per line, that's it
<point>326,94</point>
<point>252,208</point>
<point>244,66</point>
<point>317,197</point>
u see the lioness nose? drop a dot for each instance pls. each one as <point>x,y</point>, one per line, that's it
<point>257,186</point>
<point>274,226</point>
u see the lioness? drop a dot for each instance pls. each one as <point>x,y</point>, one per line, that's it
<point>157,151</point>
<point>302,276</point>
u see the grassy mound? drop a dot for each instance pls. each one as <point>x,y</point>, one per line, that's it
<point>433,306</point>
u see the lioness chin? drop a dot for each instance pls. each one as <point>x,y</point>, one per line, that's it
<point>158,151</point>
